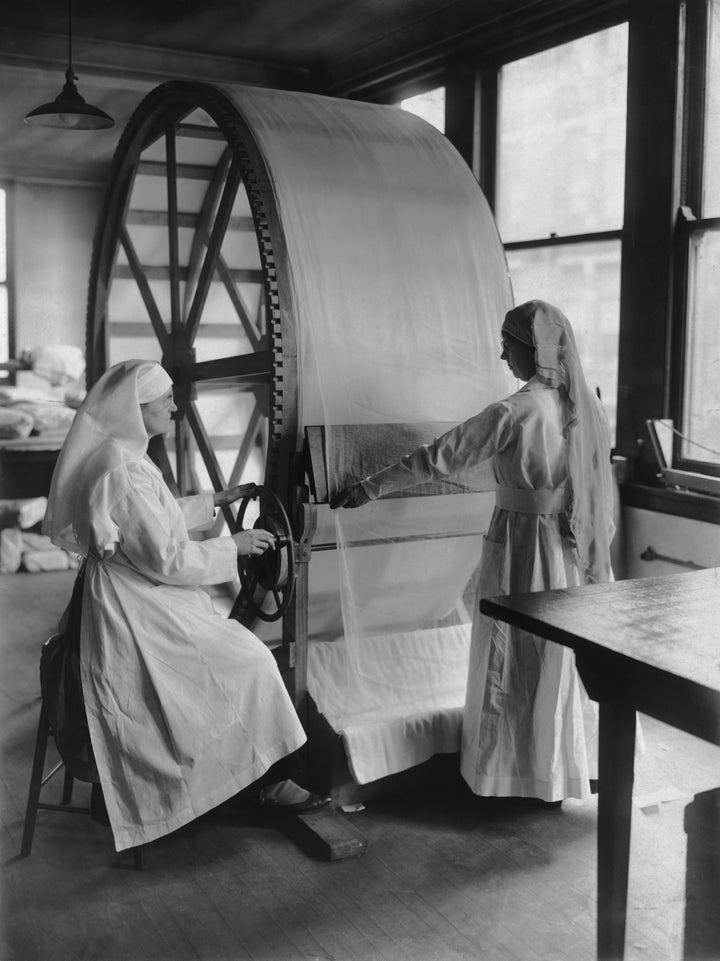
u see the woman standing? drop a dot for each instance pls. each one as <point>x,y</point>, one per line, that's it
<point>529,727</point>
<point>185,708</point>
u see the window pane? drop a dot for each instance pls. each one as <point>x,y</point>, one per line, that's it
<point>3,238</point>
<point>430,106</point>
<point>583,280</point>
<point>701,421</point>
<point>4,320</point>
<point>4,327</point>
<point>561,155</point>
<point>711,167</point>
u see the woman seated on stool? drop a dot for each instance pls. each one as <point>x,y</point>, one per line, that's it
<point>529,728</point>
<point>185,708</point>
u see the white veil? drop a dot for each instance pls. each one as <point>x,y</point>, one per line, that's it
<point>106,431</point>
<point>587,434</point>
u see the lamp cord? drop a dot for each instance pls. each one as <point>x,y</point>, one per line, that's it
<point>70,66</point>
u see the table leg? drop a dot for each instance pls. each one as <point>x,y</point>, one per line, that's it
<point>616,773</point>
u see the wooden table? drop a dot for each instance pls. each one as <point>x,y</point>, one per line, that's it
<point>650,645</point>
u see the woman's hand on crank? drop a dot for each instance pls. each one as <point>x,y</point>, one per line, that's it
<point>253,542</point>
<point>232,494</point>
<point>353,496</point>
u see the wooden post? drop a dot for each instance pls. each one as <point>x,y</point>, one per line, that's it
<point>616,775</point>
<point>303,519</point>
<point>326,833</point>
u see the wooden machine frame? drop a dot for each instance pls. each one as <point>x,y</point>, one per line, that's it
<point>269,370</point>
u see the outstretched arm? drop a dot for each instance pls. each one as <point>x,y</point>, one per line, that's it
<point>353,496</point>
<point>232,494</point>
<point>462,448</point>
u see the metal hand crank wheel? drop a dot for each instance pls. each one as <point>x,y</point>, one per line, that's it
<point>272,574</point>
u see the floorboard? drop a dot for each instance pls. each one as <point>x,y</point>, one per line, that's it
<point>446,876</point>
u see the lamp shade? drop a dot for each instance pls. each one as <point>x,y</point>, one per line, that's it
<point>69,110</point>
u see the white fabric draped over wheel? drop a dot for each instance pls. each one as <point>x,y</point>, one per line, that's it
<point>400,286</point>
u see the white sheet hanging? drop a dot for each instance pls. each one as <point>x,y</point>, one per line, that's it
<point>400,287</point>
<point>410,710</point>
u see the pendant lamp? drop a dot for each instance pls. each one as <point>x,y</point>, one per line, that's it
<point>69,110</point>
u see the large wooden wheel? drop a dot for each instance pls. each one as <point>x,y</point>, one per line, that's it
<point>189,269</point>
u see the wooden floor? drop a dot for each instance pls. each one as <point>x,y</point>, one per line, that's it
<point>445,877</point>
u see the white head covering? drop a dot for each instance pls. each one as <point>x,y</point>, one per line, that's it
<point>587,434</point>
<point>152,382</point>
<point>107,430</point>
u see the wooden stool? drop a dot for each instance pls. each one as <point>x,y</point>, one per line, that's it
<point>37,781</point>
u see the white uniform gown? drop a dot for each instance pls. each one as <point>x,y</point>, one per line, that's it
<point>529,728</point>
<point>185,707</point>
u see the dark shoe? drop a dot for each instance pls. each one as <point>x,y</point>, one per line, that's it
<point>312,803</point>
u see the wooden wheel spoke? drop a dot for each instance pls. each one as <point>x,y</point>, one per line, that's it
<point>202,229</point>
<point>238,303</point>
<point>216,529</point>
<point>141,280</point>
<point>174,115</point>
<point>257,366</point>
<point>207,454</point>
<point>200,241</point>
<point>213,250</point>
<point>196,484</point>
<point>260,316</point>
<point>171,163</point>
<point>245,448</point>
<point>227,513</point>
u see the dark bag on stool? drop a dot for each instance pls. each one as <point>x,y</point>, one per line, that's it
<point>61,690</point>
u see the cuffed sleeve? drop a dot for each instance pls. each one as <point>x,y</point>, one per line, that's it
<point>158,545</point>
<point>198,511</point>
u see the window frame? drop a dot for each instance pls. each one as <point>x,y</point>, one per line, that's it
<point>693,43</point>
<point>652,308</point>
<point>10,274</point>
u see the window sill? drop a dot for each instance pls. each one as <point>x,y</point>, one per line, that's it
<point>664,500</point>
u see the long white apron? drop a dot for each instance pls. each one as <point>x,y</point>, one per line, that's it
<point>529,728</point>
<point>185,707</point>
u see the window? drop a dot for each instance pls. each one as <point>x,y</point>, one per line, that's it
<point>698,446</point>
<point>430,106</point>
<point>556,137</point>
<point>560,188</point>
<point>4,298</point>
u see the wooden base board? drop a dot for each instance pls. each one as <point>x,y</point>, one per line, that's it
<point>329,772</point>
<point>326,834</point>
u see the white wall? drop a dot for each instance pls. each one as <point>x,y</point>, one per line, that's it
<point>680,538</point>
<point>53,235</point>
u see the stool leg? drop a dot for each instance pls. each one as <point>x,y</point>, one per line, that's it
<point>68,782</point>
<point>139,857</point>
<point>43,733</point>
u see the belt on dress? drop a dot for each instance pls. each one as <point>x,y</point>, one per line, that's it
<point>531,501</point>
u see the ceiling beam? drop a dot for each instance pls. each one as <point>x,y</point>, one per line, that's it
<point>140,64</point>
<point>422,48</point>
